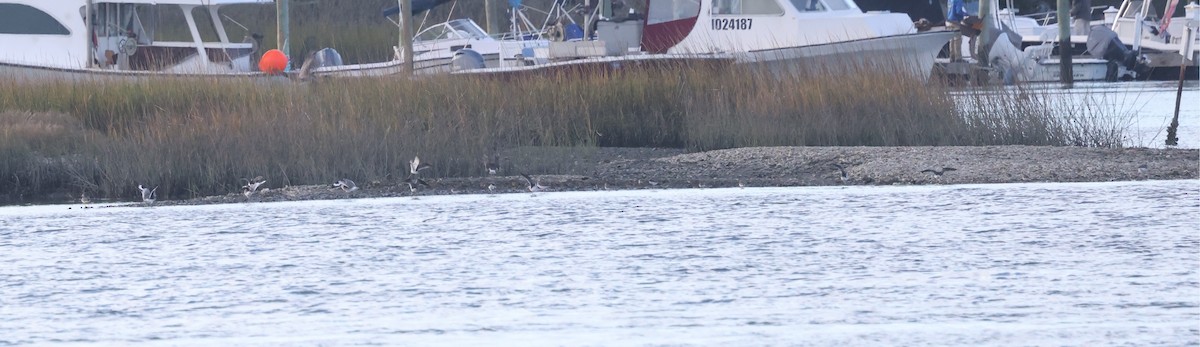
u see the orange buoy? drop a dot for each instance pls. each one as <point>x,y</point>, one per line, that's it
<point>273,62</point>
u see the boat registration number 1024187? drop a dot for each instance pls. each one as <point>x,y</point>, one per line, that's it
<point>732,23</point>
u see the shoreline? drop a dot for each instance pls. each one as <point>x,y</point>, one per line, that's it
<point>597,169</point>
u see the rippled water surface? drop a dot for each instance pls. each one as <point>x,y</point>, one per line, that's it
<point>1019,264</point>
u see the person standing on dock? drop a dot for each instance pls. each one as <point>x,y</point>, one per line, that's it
<point>1081,14</point>
<point>957,18</point>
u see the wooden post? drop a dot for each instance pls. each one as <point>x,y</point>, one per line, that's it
<point>1064,44</point>
<point>406,34</point>
<point>1173,129</point>
<point>284,30</point>
<point>1185,52</point>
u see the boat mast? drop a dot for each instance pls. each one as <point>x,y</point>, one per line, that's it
<point>587,19</point>
<point>406,34</point>
<point>91,32</point>
<point>985,14</point>
<point>492,18</point>
<point>1064,44</point>
<point>1139,21</point>
<point>283,29</point>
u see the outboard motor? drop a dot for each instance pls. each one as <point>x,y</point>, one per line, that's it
<point>1006,55</point>
<point>327,57</point>
<point>1104,43</point>
<point>466,59</point>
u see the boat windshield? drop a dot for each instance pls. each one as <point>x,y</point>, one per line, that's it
<point>823,5</point>
<point>744,7</point>
<point>663,11</point>
<point>1136,6</point>
<point>453,30</point>
<point>468,27</point>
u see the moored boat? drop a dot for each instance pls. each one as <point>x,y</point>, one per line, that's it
<point>125,39</point>
<point>436,47</point>
<point>1126,43</point>
<point>782,35</point>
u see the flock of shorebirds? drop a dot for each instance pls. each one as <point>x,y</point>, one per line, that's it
<point>492,165</point>
<point>936,173</point>
<point>414,181</point>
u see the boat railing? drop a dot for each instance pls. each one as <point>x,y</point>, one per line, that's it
<point>1051,17</point>
<point>213,45</point>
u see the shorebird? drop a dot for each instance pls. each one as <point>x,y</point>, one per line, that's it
<point>148,195</point>
<point>413,181</point>
<point>305,72</point>
<point>491,187</point>
<point>1142,168</point>
<point>251,186</point>
<point>83,198</point>
<point>534,185</point>
<point>842,169</point>
<point>415,166</point>
<point>346,185</point>
<point>492,165</point>
<point>938,173</point>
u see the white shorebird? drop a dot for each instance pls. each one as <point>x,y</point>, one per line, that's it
<point>251,186</point>
<point>534,185</point>
<point>491,187</point>
<point>841,169</point>
<point>83,198</point>
<point>346,185</point>
<point>148,195</point>
<point>415,166</point>
<point>492,165</point>
<point>1142,168</point>
<point>938,173</point>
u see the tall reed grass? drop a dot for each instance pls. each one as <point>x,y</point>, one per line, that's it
<point>197,137</point>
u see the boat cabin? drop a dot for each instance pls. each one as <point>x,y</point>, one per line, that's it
<point>172,36</point>
<point>718,26</point>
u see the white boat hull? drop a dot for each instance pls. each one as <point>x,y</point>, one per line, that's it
<point>1047,70</point>
<point>912,53</point>
<point>909,53</point>
<point>396,67</point>
<point>27,73</point>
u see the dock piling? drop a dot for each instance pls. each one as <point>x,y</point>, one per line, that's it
<point>1064,44</point>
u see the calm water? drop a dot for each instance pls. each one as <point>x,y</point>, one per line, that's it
<point>1150,105</point>
<point>1142,109</point>
<point>1008,264</point>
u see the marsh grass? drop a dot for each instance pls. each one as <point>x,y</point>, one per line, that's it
<point>195,137</point>
<point>1044,117</point>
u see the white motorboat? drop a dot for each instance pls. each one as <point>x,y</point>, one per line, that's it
<point>1161,39</point>
<point>435,47</point>
<point>51,39</point>
<point>780,34</point>
<point>1152,42</point>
